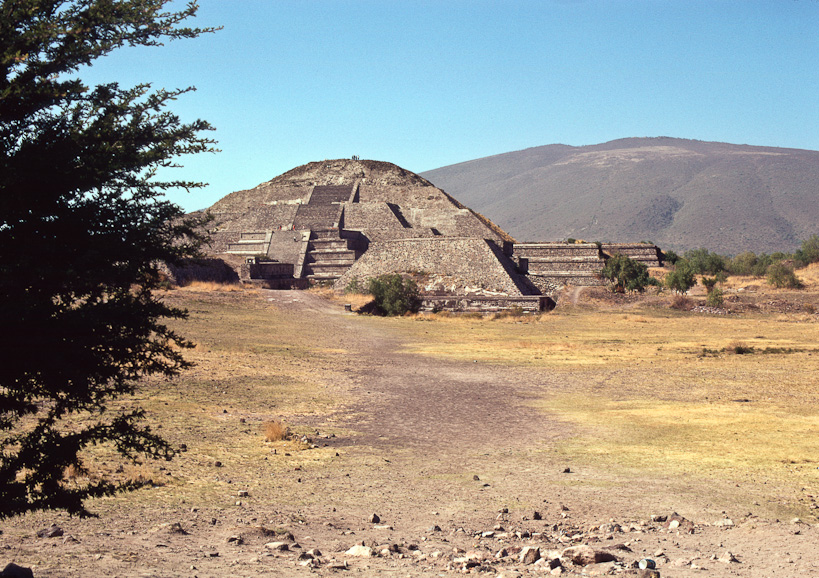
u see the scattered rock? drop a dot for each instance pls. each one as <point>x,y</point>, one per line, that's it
<point>727,558</point>
<point>360,551</point>
<point>536,516</point>
<point>53,531</point>
<point>277,546</point>
<point>375,519</point>
<point>584,555</point>
<point>529,555</point>
<point>726,523</point>
<point>648,573</point>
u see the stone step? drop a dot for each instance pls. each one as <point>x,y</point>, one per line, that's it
<point>328,245</point>
<point>326,194</point>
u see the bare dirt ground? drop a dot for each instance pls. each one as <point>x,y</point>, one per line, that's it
<point>455,459</point>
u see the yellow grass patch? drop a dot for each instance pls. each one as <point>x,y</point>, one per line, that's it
<point>274,431</point>
<point>205,286</point>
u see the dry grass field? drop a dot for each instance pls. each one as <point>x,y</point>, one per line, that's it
<point>301,418</point>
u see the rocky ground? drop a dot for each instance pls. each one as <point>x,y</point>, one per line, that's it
<point>440,467</point>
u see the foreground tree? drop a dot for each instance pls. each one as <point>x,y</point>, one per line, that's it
<point>83,223</point>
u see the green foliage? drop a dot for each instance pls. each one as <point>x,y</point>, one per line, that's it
<point>715,297</point>
<point>749,263</point>
<point>355,287</point>
<point>626,275</point>
<point>704,261</point>
<point>781,275</point>
<point>682,278</point>
<point>709,283</point>
<point>670,257</point>
<point>394,295</point>
<point>809,252</point>
<point>83,225</point>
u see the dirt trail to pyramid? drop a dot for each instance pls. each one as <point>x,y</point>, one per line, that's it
<point>405,400</point>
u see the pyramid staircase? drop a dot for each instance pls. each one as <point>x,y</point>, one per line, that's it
<point>330,252</point>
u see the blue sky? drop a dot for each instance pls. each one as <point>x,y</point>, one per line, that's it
<point>428,84</point>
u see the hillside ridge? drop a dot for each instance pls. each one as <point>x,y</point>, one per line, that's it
<point>678,193</point>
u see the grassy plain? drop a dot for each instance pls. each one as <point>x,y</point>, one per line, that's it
<point>655,389</point>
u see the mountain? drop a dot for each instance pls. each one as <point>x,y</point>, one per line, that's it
<point>680,194</point>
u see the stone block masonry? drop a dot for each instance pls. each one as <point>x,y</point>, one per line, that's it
<point>473,260</point>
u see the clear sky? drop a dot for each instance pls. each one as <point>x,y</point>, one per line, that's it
<point>424,84</point>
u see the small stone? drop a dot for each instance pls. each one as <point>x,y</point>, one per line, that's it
<point>53,531</point>
<point>434,528</point>
<point>726,523</point>
<point>673,524</point>
<point>217,464</point>
<point>567,471</point>
<point>537,516</point>
<point>476,478</point>
<point>277,546</point>
<point>375,519</point>
<point>648,573</point>
<point>360,551</point>
<point>242,494</point>
<point>727,558</point>
<point>529,555</point>
<point>584,555</point>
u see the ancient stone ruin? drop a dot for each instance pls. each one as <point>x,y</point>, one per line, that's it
<point>345,221</point>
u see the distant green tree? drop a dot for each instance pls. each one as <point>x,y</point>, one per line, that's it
<point>682,278</point>
<point>809,252</point>
<point>704,261</point>
<point>670,257</point>
<point>394,295</point>
<point>626,275</point>
<point>83,225</point>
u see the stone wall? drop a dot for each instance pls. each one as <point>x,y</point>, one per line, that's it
<point>366,216</point>
<point>475,261</point>
<point>486,304</point>
<point>645,253</point>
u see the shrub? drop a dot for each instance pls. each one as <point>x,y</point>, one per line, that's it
<point>393,295</point>
<point>356,287</point>
<point>781,275</point>
<point>739,348</point>
<point>681,303</point>
<point>681,279</point>
<point>715,298</point>
<point>626,275</point>
<point>274,431</point>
